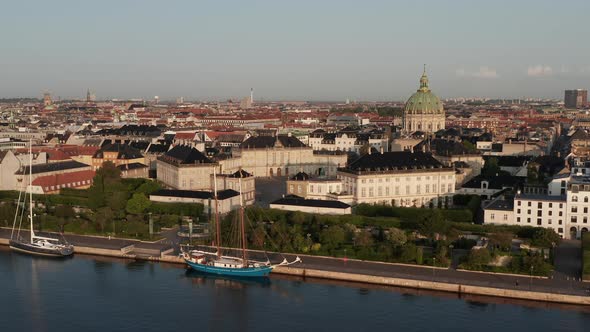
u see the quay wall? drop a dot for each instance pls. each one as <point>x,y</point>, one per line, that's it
<point>437,286</point>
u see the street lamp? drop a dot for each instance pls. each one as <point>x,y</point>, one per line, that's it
<point>451,246</point>
<point>433,267</point>
<point>531,282</point>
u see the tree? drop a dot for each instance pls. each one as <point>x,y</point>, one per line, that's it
<point>491,167</point>
<point>545,237</point>
<point>138,204</point>
<point>396,236</point>
<point>501,240</point>
<point>363,239</point>
<point>419,255</point>
<point>469,146</point>
<point>64,213</point>
<point>148,187</point>
<point>478,258</point>
<point>432,223</point>
<point>103,216</point>
<point>409,253</point>
<point>332,237</point>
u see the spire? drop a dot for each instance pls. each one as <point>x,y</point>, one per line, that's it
<point>424,81</point>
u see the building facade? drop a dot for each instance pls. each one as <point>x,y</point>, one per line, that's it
<point>575,98</point>
<point>400,179</point>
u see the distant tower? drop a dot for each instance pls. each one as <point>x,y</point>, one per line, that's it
<point>47,99</point>
<point>251,95</point>
<point>156,99</point>
<point>88,96</point>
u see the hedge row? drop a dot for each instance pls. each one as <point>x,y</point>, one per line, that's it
<point>184,209</point>
<point>411,213</point>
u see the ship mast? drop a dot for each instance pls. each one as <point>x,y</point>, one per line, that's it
<point>217,227</point>
<point>244,250</point>
<point>31,188</point>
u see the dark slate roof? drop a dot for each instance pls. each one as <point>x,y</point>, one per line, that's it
<point>184,154</point>
<point>501,204</point>
<point>240,174</point>
<point>131,166</point>
<point>301,176</point>
<point>393,161</point>
<point>550,164</point>
<point>495,182</point>
<point>221,194</point>
<point>139,145</point>
<point>52,167</point>
<point>445,147</point>
<point>537,197</point>
<point>124,151</point>
<point>311,202</point>
<point>158,148</point>
<point>261,142</point>
<point>132,130</point>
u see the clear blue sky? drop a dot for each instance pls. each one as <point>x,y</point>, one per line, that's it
<point>306,50</point>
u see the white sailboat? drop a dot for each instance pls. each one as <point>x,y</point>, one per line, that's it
<point>34,245</point>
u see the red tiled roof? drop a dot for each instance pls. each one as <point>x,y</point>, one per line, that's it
<point>65,180</point>
<point>185,135</point>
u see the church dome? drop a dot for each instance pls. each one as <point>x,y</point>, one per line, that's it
<point>424,101</point>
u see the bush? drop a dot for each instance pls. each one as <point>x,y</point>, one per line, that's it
<point>186,209</point>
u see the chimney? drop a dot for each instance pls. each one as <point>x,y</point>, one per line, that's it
<point>382,150</point>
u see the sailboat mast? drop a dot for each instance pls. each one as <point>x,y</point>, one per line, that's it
<point>244,249</point>
<point>31,187</point>
<point>217,227</point>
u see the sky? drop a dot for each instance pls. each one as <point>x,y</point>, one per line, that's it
<point>293,50</point>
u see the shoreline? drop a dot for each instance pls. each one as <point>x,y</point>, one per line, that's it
<point>447,287</point>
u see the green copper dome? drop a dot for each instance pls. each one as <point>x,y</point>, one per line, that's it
<point>424,101</point>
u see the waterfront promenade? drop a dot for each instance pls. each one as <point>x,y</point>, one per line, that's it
<point>317,266</point>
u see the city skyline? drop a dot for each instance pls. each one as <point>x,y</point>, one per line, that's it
<point>305,51</point>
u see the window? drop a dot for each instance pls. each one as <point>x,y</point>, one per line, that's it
<point>550,212</point>
<point>539,221</point>
<point>549,221</point>
<point>561,205</point>
<point>574,219</point>
<point>528,220</point>
<point>371,193</point>
<point>560,230</point>
<point>407,190</point>
<point>386,191</point>
<point>418,189</point>
<point>528,211</point>
<point>311,188</point>
<point>517,219</point>
<point>550,205</point>
<point>586,199</point>
<point>518,203</point>
<point>540,205</point>
<point>363,192</point>
<point>518,211</point>
<point>529,204</point>
<point>574,198</point>
<point>427,188</point>
<point>574,209</point>
<point>560,221</point>
<point>585,210</point>
<point>585,220</point>
<point>492,216</point>
<point>539,213</point>
<point>560,213</point>
<point>292,188</point>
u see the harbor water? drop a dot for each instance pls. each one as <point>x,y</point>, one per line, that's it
<point>103,294</point>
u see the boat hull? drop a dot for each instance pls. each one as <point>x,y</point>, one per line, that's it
<point>248,272</point>
<point>27,248</point>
